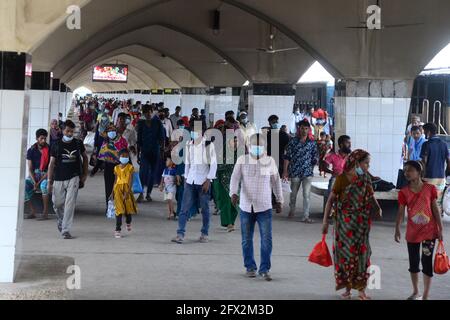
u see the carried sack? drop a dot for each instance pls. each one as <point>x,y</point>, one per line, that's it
<point>446,202</point>
<point>286,187</point>
<point>111,211</point>
<point>320,254</point>
<point>90,139</point>
<point>441,262</point>
<point>137,185</point>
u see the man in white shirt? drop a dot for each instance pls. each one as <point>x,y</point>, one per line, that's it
<point>116,112</point>
<point>296,117</point>
<point>200,170</point>
<point>257,174</point>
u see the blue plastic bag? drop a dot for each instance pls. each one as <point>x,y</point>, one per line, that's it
<point>111,211</point>
<point>137,185</point>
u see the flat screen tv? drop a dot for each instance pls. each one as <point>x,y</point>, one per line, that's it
<point>110,73</point>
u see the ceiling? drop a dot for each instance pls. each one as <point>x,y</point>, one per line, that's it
<point>170,43</point>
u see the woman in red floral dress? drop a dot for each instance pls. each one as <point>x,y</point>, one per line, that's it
<point>352,199</point>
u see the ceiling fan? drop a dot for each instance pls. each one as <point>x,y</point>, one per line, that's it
<point>363,24</point>
<point>270,49</point>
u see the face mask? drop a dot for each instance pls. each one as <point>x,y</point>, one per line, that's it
<point>127,122</point>
<point>359,171</point>
<point>124,160</point>
<point>275,126</point>
<point>181,127</point>
<point>297,113</point>
<point>244,121</point>
<point>67,138</point>
<point>194,135</point>
<point>112,134</point>
<point>257,150</point>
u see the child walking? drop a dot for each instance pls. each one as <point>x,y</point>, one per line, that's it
<point>124,201</point>
<point>424,226</point>
<point>169,186</point>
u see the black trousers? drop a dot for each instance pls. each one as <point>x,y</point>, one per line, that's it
<point>119,219</point>
<point>109,180</point>
<point>427,257</point>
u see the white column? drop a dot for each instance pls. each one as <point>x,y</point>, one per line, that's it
<point>14,108</point>
<point>374,114</point>
<point>39,113</point>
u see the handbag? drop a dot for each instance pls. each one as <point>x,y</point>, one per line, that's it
<point>137,185</point>
<point>320,254</point>
<point>111,211</point>
<point>441,262</point>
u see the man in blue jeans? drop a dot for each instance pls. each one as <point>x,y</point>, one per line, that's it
<point>200,170</point>
<point>257,174</point>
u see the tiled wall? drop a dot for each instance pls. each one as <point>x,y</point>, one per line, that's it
<point>39,113</point>
<point>375,124</point>
<point>262,107</point>
<point>54,108</point>
<point>13,136</point>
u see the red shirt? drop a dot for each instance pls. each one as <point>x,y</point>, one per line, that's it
<point>421,224</point>
<point>337,162</point>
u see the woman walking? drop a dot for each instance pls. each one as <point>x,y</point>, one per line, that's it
<point>352,199</point>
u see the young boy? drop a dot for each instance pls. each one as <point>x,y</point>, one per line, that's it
<point>169,186</point>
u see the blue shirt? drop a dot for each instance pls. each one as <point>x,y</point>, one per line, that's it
<point>436,153</point>
<point>302,157</point>
<point>416,148</point>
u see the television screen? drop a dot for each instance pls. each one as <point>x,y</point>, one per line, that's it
<point>110,73</point>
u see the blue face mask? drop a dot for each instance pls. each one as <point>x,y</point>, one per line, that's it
<point>257,150</point>
<point>67,139</point>
<point>359,171</point>
<point>181,127</point>
<point>194,135</point>
<point>112,135</point>
<point>124,160</point>
<point>275,126</point>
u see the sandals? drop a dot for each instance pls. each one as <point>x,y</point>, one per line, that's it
<point>414,296</point>
<point>346,295</point>
<point>129,227</point>
<point>307,220</point>
<point>364,297</point>
<point>230,228</point>
<point>30,216</point>
<point>43,218</point>
<point>117,235</point>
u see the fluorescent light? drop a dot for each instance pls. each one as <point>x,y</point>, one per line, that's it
<point>246,83</point>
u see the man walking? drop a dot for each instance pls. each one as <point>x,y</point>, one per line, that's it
<point>257,174</point>
<point>200,170</point>
<point>435,156</point>
<point>67,173</point>
<point>300,159</point>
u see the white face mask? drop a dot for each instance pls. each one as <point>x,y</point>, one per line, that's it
<point>67,139</point>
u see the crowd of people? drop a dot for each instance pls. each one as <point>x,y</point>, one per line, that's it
<point>243,172</point>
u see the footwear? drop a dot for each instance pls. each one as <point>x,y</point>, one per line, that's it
<point>251,274</point>
<point>364,297</point>
<point>230,228</point>
<point>117,235</point>
<point>291,214</point>
<point>178,239</point>
<point>30,216</point>
<point>140,198</point>
<point>129,227</point>
<point>346,295</point>
<point>148,198</point>
<point>67,236</point>
<point>414,296</point>
<point>307,220</point>
<point>43,217</point>
<point>266,276</point>
<point>203,239</point>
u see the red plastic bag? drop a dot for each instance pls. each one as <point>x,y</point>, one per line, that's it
<point>441,262</point>
<point>320,254</point>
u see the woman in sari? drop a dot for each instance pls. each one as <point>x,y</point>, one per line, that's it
<point>221,185</point>
<point>352,200</point>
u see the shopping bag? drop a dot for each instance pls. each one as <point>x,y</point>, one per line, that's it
<point>320,254</point>
<point>137,185</point>
<point>446,201</point>
<point>286,186</point>
<point>111,211</point>
<point>441,262</point>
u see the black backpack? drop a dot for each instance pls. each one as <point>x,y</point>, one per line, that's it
<point>382,185</point>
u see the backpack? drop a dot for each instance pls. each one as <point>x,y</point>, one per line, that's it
<point>382,185</point>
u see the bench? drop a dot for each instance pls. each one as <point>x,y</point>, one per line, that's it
<point>321,188</point>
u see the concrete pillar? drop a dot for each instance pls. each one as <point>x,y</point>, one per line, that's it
<point>218,102</point>
<point>40,96</point>
<point>374,114</point>
<point>14,109</point>
<point>267,99</point>
<point>62,100</point>
<point>192,98</point>
<point>55,99</point>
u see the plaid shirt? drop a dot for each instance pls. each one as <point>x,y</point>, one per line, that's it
<point>302,158</point>
<point>257,178</point>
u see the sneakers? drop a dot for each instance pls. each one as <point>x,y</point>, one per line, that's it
<point>251,274</point>
<point>129,227</point>
<point>178,239</point>
<point>117,235</point>
<point>266,276</point>
<point>203,239</point>
<point>67,236</point>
